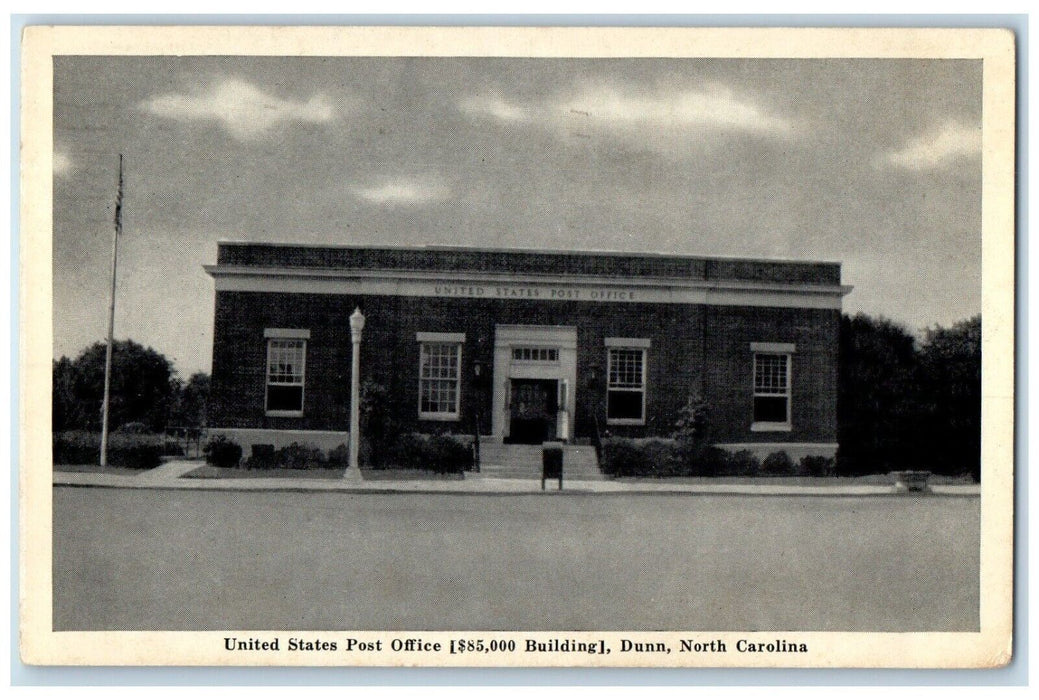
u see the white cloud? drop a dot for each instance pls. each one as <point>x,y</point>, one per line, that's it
<point>62,164</point>
<point>714,108</point>
<point>658,115</point>
<point>937,148</point>
<point>403,191</point>
<point>494,106</point>
<point>243,109</point>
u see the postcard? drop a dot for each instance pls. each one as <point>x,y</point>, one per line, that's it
<point>479,346</point>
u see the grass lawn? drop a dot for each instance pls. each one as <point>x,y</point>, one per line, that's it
<point>98,469</point>
<point>406,475</point>
<point>128,559</point>
<point>208,471</point>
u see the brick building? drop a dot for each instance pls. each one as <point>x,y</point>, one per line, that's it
<point>528,345</point>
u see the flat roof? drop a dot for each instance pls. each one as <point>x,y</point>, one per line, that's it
<point>531,261</point>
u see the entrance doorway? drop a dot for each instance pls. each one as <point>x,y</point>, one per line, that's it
<point>533,409</point>
<point>535,372</point>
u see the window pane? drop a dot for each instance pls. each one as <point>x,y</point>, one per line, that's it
<point>438,378</point>
<point>770,375</point>
<point>285,361</point>
<point>770,409</point>
<point>536,354</point>
<point>624,405</point>
<point>284,398</point>
<point>625,368</point>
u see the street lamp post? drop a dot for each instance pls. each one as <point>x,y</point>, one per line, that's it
<point>356,326</point>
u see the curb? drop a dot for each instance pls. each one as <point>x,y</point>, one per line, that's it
<point>329,486</point>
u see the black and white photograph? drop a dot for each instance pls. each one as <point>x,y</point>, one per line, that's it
<point>582,347</point>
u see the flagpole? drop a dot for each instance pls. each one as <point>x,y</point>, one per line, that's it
<point>116,230</point>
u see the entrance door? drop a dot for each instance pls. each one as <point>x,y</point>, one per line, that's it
<point>532,411</point>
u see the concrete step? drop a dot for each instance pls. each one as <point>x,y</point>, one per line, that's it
<point>499,461</point>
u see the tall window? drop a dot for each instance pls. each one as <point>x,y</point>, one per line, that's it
<point>286,361</point>
<point>771,390</point>
<point>626,386</point>
<point>439,380</point>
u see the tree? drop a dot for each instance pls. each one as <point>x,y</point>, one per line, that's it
<point>878,409</point>
<point>950,376</point>
<point>142,388</point>
<point>190,401</point>
<point>67,411</point>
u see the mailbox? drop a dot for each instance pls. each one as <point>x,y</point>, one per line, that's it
<point>552,463</point>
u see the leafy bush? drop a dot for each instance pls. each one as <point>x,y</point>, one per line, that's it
<point>447,455</point>
<point>693,422</point>
<point>339,457</point>
<point>742,463</point>
<point>701,459</point>
<point>297,456</point>
<point>134,427</point>
<point>261,456</point>
<point>221,451</point>
<point>652,457</point>
<point>622,457</point>
<point>293,456</point>
<point>778,464</point>
<point>124,449</point>
<point>443,454</point>
<point>816,465</point>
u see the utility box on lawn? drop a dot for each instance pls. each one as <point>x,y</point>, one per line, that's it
<point>552,463</point>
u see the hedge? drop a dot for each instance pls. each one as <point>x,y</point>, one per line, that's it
<point>658,457</point>
<point>130,450</point>
<point>443,454</point>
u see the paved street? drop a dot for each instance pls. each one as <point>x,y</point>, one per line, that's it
<point>207,559</point>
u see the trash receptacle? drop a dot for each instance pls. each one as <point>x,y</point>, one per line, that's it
<point>552,463</point>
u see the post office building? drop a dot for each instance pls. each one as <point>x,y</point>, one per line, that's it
<point>525,346</point>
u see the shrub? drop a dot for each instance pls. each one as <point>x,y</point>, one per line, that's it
<point>816,465</point>
<point>447,455</point>
<point>222,452</point>
<point>339,457</point>
<point>294,456</point>
<point>661,458</point>
<point>261,456</point>
<point>440,453</point>
<point>693,421</point>
<point>778,464</point>
<point>622,457</point>
<point>134,428</point>
<point>742,463</point>
<point>297,456</point>
<point>404,452</point>
<point>653,457</point>
<point>124,449</point>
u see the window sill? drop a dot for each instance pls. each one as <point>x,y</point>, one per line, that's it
<point>284,414</point>
<point>438,416</point>
<point>770,427</point>
<point>625,421</point>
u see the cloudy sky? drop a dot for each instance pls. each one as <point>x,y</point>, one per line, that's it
<point>875,164</point>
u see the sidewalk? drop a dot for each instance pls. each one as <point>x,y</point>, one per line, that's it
<point>168,476</point>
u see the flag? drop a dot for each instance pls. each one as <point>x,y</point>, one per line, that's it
<point>119,200</point>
